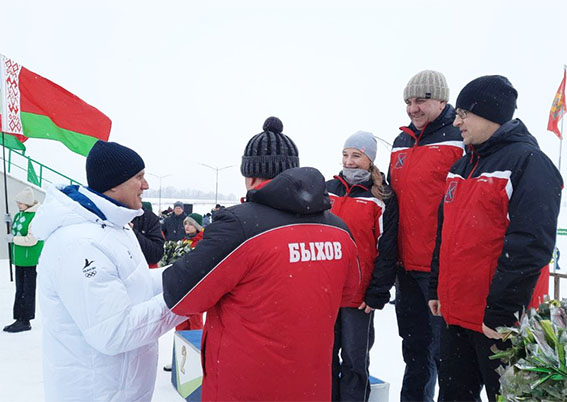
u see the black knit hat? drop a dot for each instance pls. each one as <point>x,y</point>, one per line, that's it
<point>110,164</point>
<point>269,153</point>
<point>492,97</point>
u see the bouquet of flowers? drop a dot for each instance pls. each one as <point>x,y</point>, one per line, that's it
<point>535,364</point>
<point>173,250</point>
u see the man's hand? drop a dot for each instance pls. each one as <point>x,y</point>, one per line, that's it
<point>10,238</point>
<point>435,307</point>
<point>367,309</point>
<point>490,333</point>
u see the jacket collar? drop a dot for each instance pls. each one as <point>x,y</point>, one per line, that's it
<point>297,190</point>
<point>367,185</point>
<point>510,132</point>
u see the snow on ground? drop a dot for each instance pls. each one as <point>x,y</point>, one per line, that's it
<point>21,378</point>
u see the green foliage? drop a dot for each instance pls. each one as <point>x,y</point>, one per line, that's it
<point>535,364</point>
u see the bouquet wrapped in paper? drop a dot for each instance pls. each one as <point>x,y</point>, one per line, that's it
<point>174,250</point>
<point>535,364</point>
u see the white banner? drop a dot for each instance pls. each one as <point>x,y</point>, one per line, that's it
<point>10,96</point>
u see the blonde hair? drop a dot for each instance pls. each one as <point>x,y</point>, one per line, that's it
<point>378,189</point>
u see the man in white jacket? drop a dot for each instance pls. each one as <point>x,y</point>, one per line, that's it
<point>102,307</point>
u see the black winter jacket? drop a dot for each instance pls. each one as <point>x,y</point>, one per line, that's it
<point>498,223</point>
<point>148,232</point>
<point>173,228</point>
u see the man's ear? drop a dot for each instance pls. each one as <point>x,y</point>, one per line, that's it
<point>110,192</point>
<point>256,181</point>
<point>252,182</point>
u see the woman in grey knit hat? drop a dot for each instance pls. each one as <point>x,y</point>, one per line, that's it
<point>360,196</point>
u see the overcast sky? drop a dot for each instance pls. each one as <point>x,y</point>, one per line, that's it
<point>189,82</point>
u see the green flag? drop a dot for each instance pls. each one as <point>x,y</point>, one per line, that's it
<point>12,142</point>
<point>32,176</point>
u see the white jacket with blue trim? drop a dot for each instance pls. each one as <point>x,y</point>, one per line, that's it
<point>102,307</point>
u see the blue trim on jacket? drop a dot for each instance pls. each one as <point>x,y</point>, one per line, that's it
<point>73,193</point>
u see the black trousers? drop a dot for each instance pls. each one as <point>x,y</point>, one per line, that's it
<point>420,333</point>
<point>24,303</point>
<point>354,336</point>
<point>465,366</point>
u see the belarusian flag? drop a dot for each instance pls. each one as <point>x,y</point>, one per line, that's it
<point>33,106</point>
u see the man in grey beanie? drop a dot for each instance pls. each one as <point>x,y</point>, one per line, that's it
<point>421,157</point>
<point>172,227</point>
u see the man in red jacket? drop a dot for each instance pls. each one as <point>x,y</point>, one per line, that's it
<point>497,229</point>
<point>421,157</point>
<point>271,274</point>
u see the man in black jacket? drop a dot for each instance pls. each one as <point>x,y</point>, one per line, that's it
<point>148,232</point>
<point>172,227</point>
<point>497,226</point>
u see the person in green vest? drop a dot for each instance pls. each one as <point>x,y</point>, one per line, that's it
<point>25,254</point>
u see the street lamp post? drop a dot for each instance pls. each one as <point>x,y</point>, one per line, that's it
<point>159,177</point>
<point>216,169</point>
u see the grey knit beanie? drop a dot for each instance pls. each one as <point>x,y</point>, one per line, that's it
<point>363,141</point>
<point>427,84</point>
<point>269,153</point>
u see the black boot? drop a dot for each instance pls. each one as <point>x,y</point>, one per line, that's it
<point>18,326</point>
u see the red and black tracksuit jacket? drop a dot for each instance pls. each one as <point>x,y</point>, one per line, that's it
<point>499,221</point>
<point>271,274</point>
<point>374,226</point>
<point>419,164</point>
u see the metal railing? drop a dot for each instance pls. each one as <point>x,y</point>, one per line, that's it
<point>35,172</point>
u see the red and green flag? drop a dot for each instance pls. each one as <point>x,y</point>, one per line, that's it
<point>558,108</point>
<point>34,107</point>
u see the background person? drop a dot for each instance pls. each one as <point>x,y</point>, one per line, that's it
<point>25,254</point>
<point>360,196</point>
<point>172,227</point>
<point>193,229</point>
<point>147,229</point>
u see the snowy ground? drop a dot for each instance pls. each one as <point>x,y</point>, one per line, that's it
<point>21,378</point>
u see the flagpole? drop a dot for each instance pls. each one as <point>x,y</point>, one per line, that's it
<point>560,145</point>
<point>8,220</point>
<point>561,131</point>
<point>556,251</point>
